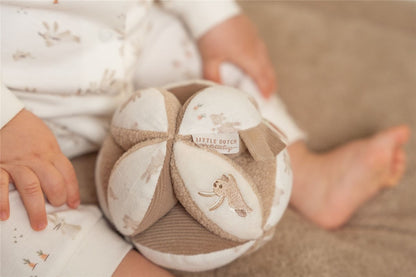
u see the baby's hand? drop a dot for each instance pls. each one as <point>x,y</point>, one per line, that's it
<point>31,159</point>
<point>235,40</point>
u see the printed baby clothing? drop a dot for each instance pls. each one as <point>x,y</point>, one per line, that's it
<point>71,61</point>
<point>75,243</point>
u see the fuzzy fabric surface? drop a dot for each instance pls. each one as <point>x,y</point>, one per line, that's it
<point>346,70</point>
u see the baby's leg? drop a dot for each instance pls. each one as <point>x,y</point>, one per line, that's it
<point>328,188</point>
<point>135,264</point>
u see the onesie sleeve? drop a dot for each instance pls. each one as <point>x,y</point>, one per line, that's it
<point>202,15</point>
<point>10,105</point>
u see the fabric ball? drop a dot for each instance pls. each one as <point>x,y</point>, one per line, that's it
<point>192,175</point>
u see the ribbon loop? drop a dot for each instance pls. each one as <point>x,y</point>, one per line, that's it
<point>262,142</point>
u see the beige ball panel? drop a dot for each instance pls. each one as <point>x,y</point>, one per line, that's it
<point>184,90</point>
<point>178,233</point>
<point>127,138</point>
<point>178,241</point>
<point>173,108</point>
<point>263,174</point>
<point>109,153</point>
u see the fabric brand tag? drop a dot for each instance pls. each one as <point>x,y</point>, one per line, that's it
<point>227,143</point>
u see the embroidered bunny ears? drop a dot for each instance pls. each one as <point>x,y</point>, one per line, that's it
<point>193,175</point>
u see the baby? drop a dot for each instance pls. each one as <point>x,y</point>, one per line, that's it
<point>67,65</point>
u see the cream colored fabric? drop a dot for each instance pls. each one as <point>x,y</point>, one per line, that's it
<point>129,116</point>
<point>212,111</point>
<point>75,243</point>
<point>199,176</point>
<point>133,182</point>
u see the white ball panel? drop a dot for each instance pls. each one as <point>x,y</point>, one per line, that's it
<point>146,112</point>
<point>199,170</point>
<point>219,109</point>
<point>284,180</point>
<point>194,263</point>
<point>133,184</point>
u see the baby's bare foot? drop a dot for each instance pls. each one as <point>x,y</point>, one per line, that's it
<point>328,188</point>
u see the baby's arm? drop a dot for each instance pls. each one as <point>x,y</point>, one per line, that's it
<point>31,159</point>
<point>224,34</point>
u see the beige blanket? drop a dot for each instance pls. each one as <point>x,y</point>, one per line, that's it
<point>346,70</point>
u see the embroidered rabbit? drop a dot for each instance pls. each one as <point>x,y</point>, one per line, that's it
<point>59,223</point>
<point>226,187</point>
<point>222,126</point>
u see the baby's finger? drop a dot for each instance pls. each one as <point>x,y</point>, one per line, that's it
<point>258,71</point>
<point>271,75</point>
<point>265,80</point>
<point>268,72</point>
<point>265,84</point>
<point>67,170</point>
<point>51,181</point>
<point>27,183</point>
<point>4,194</point>
<point>211,70</point>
